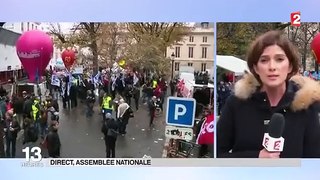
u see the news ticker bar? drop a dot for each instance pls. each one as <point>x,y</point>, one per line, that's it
<point>158,162</point>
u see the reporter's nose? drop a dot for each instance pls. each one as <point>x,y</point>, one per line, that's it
<point>272,65</point>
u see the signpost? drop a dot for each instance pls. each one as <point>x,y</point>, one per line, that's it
<point>181,111</point>
<point>180,118</point>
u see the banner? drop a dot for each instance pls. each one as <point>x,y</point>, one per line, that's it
<point>55,81</point>
<point>206,133</point>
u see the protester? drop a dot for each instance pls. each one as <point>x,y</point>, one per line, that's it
<point>152,108</point>
<point>11,130</point>
<point>110,131</point>
<point>123,118</point>
<point>53,140</point>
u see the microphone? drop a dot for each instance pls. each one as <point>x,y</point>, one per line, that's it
<point>273,140</point>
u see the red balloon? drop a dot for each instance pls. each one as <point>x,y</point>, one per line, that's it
<point>68,57</point>
<point>315,46</point>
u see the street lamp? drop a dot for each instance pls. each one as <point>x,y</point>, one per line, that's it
<point>172,62</point>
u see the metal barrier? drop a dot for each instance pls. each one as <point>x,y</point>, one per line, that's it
<point>182,149</point>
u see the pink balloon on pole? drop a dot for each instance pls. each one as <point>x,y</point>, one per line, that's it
<point>34,49</point>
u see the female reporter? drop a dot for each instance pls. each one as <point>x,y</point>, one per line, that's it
<point>272,87</point>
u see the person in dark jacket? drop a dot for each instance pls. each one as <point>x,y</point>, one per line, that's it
<point>152,104</point>
<point>30,133</point>
<point>11,129</point>
<point>74,96</point>
<point>27,106</point>
<point>53,140</point>
<point>110,131</point>
<point>273,87</point>
<point>90,103</point>
<point>128,93</point>
<point>18,109</point>
<point>136,96</point>
<point>223,93</point>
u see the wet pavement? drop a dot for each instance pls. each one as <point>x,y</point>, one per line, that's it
<point>81,137</point>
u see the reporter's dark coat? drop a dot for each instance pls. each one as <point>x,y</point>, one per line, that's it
<point>246,114</point>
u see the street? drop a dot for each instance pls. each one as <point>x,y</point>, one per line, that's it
<point>82,138</point>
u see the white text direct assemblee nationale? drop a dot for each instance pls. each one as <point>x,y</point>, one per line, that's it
<point>100,162</point>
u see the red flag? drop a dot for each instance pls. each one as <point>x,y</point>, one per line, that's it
<point>206,133</point>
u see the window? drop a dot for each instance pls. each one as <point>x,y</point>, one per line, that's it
<point>203,67</point>
<point>32,26</point>
<point>204,52</point>
<point>22,27</point>
<point>191,39</point>
<point>176,66</point>
<point>177,53</point>
<point>190,64</point>
<point>204,39</point>
<point>36,28</point>
<point>204,25</point>
<point>190,52</point>
<point>28,26</point>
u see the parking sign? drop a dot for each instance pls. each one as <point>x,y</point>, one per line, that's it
<point>181,111</point>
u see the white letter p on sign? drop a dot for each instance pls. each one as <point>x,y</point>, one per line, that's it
<point>179,110</point>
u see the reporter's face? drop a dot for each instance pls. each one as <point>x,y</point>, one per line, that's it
<point>273,67</point>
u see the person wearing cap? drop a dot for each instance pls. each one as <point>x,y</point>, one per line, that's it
<point>110,131</point>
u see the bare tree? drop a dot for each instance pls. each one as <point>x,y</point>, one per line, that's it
<point>85,34</point>
<point>302,37</point>
<point>167,33</point>
<point>112,43</point>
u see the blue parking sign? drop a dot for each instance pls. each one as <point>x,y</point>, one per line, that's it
<point>181,111</point>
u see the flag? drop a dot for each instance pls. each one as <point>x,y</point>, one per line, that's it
<point>55,81</point>
<point>206,133</point>
<point>135,79</point>
<point>37,75</point>
<point>96,78</point>
<point>70,77</point>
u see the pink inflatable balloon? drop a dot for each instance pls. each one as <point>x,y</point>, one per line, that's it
<point>34,49</point>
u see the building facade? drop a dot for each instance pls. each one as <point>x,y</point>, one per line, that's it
<point>9,61</point>
<point>21,27</point>
<point>195,50</point>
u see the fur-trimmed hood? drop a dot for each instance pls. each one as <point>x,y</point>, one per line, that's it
<point>307,94</point>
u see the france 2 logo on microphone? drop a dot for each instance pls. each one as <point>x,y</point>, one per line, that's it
<point>295,18</point>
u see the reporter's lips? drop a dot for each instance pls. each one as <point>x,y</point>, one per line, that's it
<point>273,77</point>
